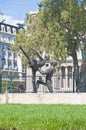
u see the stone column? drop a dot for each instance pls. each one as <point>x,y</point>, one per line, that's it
<point>29,80</point>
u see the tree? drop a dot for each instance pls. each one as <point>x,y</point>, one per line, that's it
<point>74,26</point>
<point>71,17</point>
<point>75,29</point>
<point>47,32</point>
<point>57,28</point>
<point>66,19</point>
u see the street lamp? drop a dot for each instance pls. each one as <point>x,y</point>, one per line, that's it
<point>82,47</point>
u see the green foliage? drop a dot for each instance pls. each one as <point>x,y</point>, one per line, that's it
<point>20,38</point>
<point>56,29</point>
<point>7,84</point>
<point>74,25</point>
<point>50,29</point>
<point>46,117</point>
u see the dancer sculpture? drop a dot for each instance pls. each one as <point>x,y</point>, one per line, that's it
<point>35,65</point>
<point>49,73</point>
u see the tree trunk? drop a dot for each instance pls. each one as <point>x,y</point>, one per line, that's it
<point>82,79</point>
<point>76,70</point>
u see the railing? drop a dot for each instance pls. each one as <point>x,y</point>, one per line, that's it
<point>20,84</point>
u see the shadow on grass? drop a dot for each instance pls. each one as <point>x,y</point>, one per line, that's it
<point>8,128</point>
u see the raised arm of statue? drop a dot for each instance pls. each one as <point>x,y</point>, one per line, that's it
<point>38,54</point>
<point>27,56</point>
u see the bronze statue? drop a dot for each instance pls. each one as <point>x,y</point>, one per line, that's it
<point>35,65</point>
<point>49,73</point>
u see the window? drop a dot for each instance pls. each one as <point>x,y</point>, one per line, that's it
<point>14,31</point>
<point>9,65</point>
<point>15,66</point>
<point>15,56</point>
<point>8,29</point>
<point>2,28</point>
<point>4,38</point>
<point>9,39</point>
<point>9,54</point>
<point>7,47</point>
<point>3,48</point>
<point>4,65</point>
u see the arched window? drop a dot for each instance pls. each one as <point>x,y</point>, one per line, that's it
<point>14,31</point>
<point>2,28</point>
<point>8,29</point>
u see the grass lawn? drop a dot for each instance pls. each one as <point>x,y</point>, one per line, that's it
<point>42,117</point>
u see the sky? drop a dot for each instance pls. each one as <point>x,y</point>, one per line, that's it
<point>15,10</point>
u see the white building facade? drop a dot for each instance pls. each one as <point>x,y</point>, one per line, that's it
<point>10,63</point>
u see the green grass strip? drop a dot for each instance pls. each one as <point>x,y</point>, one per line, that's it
<point>42,117</point>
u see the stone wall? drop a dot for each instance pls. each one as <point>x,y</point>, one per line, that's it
<point>55,98</point>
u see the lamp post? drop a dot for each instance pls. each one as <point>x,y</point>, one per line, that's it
<point>82,44</point>
<point>82,47</point>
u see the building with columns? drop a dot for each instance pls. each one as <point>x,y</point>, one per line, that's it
<point>64,79</point>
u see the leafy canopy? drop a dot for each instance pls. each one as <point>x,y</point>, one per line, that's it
<point>56,28</point>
